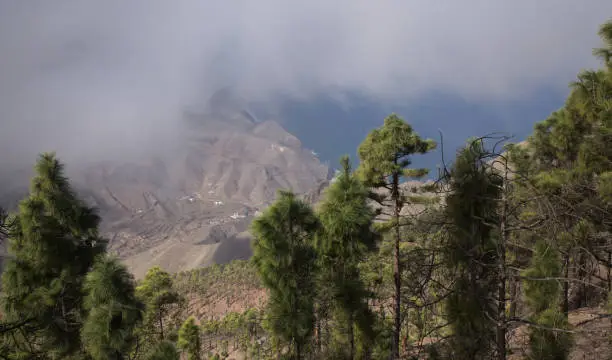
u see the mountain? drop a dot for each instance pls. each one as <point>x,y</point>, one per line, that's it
<point>191,205</point>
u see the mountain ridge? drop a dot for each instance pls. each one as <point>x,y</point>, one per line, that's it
<point>175,207</point>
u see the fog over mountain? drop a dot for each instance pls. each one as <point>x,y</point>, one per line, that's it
<point>179,120</point>
<point>189,204</point>
<point>100,79</point>
<point>194,146</point>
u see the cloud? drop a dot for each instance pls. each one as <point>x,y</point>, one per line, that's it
<point>85,76</point>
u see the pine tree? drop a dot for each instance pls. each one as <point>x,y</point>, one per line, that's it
<point>53,243</point>
<point>605,53</point>
<point>348,236</point>
<point>385,158</point>
<point>113,310</point>
<point>189,339</point>
<point>568,158</point>
<point>284,255</point>
<point>159,296</point>
<point>609,312</point>
<point>472,210</point>
<point>164,350</point>
<point>547,339</point>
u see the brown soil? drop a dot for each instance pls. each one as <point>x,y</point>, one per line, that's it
<point>592,337</point>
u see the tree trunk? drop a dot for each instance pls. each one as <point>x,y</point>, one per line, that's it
<point>609,271</point>
<point>396,268</point>
<point>161,324</point>
<point>405,343</point>
<point>513,296</point>
<point>298,350</point>
<point>565,305</point>
<point>501,291</point>
<point>351,334</point>
<point>318,331</point>
<point>581,273</point>
<point>501,319</point>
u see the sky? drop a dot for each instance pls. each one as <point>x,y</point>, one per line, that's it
<point>91,78</point>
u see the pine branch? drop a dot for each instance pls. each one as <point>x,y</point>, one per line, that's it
<point>6,327</point>
<point>562,279</point>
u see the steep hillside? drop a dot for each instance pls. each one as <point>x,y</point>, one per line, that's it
<point>215,292</point>
<point>187,206</point>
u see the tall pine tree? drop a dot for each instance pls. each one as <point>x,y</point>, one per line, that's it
<point>189,340</point>
<point>548,339</point>
<point>160,298</point>
<point>347,237</point>
<point>113,311</point>
<point>385,157</point>
<point>284,255</point>
<point>53,243</point>
<point>472,210</point>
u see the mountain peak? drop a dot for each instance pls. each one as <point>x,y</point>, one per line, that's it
<point>272,130</point>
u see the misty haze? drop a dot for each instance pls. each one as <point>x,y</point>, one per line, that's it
<point>220,143</point>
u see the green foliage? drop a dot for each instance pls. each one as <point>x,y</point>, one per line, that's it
<point>159,296</point>
<point>542,291</point>
<point>605,53</point>
<point>385,156</point>
<point>284,255</point>
<point>189,339</point>
<point>450,271</point>
<point>564,183</point>
<point>346,239</point>
<point>549,341</point>
<point>243,328</point>
<point>164,350</point>
<point>347,219</point>
<point>383,341</point>
<point>568,160</point>
<point>471,209</point>
<point>386,152</point>
<point>53,243</point>
<point>539,292</point>
<point>604,186</point>
<point>112,309</point>
<point>220,281</point>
